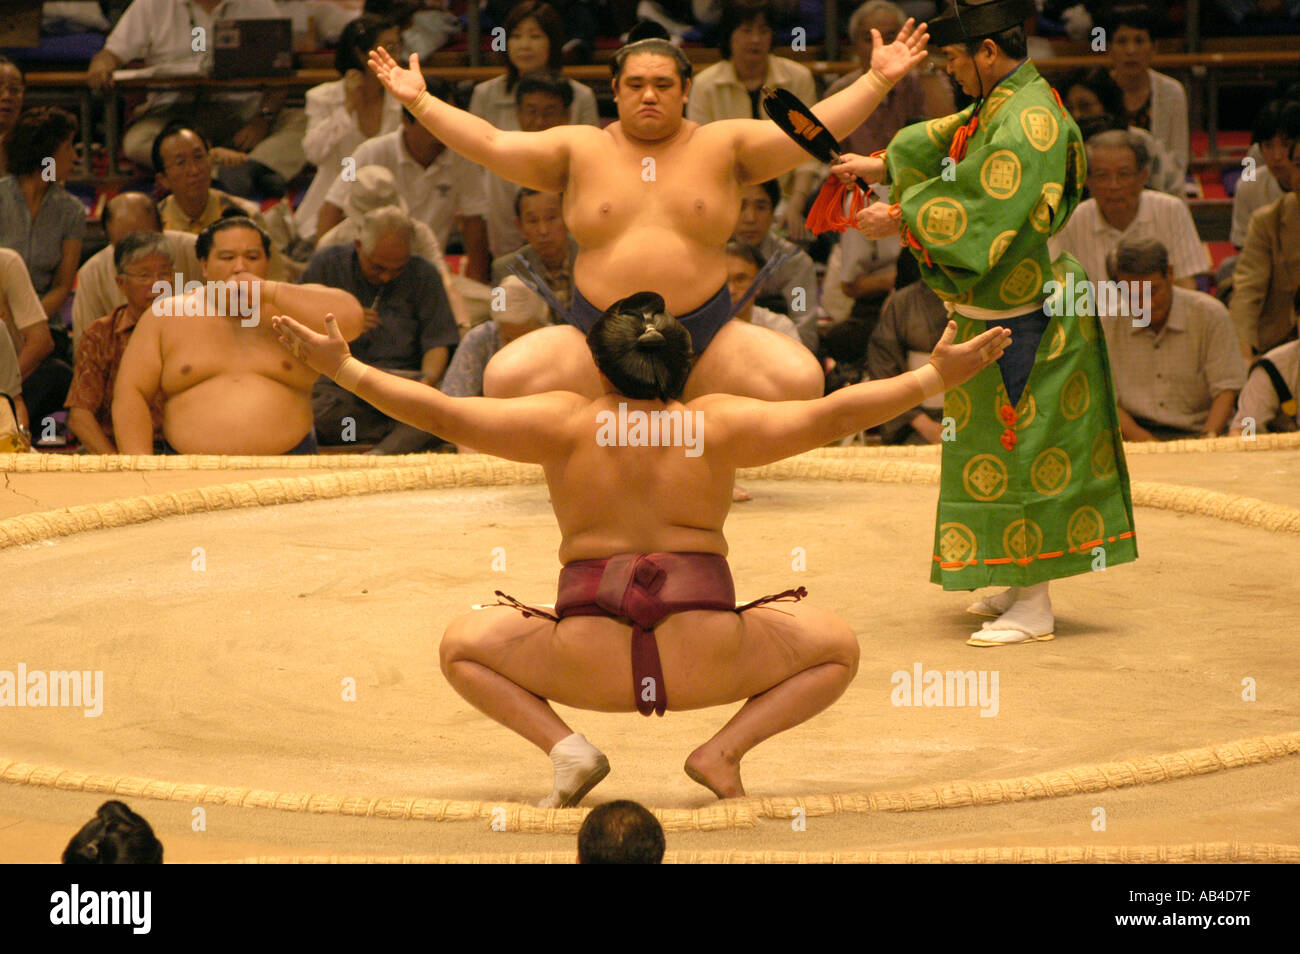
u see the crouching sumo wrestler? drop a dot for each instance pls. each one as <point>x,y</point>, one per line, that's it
<point>646,617</point>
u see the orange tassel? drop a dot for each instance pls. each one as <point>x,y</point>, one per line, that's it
<point>827,213</point>
<point>957,150</point>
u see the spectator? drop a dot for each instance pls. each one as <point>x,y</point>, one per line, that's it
<point>39,218</point>
<point>143,261</point>
<point>115,836</point>
<point>15,434</point>
<point>1094,95</point>
<point>521,312</point>
<point>534,41</point>
<point>1121,209</point>
<point>161,32</point>
<point>344,113</point>
<point>1179,375</point>
<point>794,282</point>
<point>439,185</point>
<point>743,264</point>
<point>543,102</point>
<point>1268,271</point>
<point>1268,401</point>
<point>620,833</point>
<point>1152,101</point>
<point>374,189</point>
<point>549,250</point>
<point>911,324</point>
<point>98,290</point>
<point>868,272</point>
<point>232,388</point>
<point>40,374</point>
<point>12,87</point>
<point>1276,127</point>
<point>409,328</point>
<point>732,88</point>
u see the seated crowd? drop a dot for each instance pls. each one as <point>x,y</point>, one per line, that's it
<point>109,352</point>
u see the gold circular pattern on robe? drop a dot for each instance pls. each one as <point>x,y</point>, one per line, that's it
<point>941,221</point>
<point>1076,396</point>
<point>1085,527</point>
<point>1000,245</point>
<point>1042,214</point>
<point>1022,539</point>
<point>1022,283</point>
<point>1000,174</point>
<point>941,130</point>
<point>1087,326</point>
<point>905,180</point>
<point>1102,457</point>
<point>1040,127</point>
<point>993,105</point>
<point>1050,472</point>
<point>1024,417</point>
<point>957,543</point>
<point>1057,345</point>
<point>1077,156</point>
<point>956,405</point>
<point>984,477</point>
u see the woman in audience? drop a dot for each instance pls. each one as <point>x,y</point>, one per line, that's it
<point>534,41</point>
<point>344,113</point>
<point>12,87</point>
<point>1152,101</point>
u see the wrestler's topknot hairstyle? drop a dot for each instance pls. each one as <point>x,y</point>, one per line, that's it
<point>621,833</point>
<point>115,836</point>
<point>655,46</point>
<point>645,352</point>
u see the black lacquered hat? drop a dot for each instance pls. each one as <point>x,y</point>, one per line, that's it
<point>969,19</point>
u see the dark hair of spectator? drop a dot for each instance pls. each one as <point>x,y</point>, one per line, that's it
<point>746,251</point>
<point>647,30</point>
<point>230,219</point>
<point>107,216</point>
<point>645,352</point>
<point>1101,84</point>
<point>522,194</point>
<point>1138,257</point>
<point>1011,41</point>
<point>396,11</point>
<point>544,81</point>
<point>620,833</point>
<point>1279,117</point>
<point>115,836</point>
<point>655,47</point>
<point>361,34</point>
<point>550,23</point>
<point>735,14</point>
<point>172,129</point>
<point>6,61</point>
<point>141,245</point>
<point>773,190</point>
<point>1136,16</point>
<point>37,135</point>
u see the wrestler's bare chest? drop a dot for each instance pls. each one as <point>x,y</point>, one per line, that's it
<point>196,349</point>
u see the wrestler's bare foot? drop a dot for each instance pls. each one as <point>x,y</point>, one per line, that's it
<point>713,769</point>
<point>739,494</point>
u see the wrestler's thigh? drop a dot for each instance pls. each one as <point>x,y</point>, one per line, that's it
<point>584,661</point>
<point>714,658</point>
<point>755,362</point>
<point>553,358</point>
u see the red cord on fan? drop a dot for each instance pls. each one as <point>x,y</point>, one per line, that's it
<point>827,213</point>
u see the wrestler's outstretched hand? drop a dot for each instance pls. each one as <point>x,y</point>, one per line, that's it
<point>324,354</point>
<point>958,363</point>
<point>404,84</point>
<point>867,168</point>
<point>900,56</point>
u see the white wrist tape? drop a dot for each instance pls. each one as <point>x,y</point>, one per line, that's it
<point>930,380</point>
<point>349,373</point>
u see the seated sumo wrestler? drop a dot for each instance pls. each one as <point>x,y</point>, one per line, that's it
<point>647,618</point>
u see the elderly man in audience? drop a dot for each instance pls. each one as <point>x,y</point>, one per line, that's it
<point>549,250</point>
<point>409,327</point>
<point>1120,208</point>
<point>442,188</point>
<point>1268,401</point>
<point>911,324</point>
<point>1176,363</point>
<point>1268,271</point>
<point>229,387</point>
<point>794,281</point>
<point>146,265</point>
<point>520,312</point>
<point>743,263</point>
<point>163,33</point>
<point>99,290</point>
<point>543,101</point>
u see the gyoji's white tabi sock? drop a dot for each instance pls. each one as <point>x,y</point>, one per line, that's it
<point>995,604</point>
<point>1028,619</point>
<point>579,766</point>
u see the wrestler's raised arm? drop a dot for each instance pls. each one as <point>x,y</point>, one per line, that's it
<point>529,429</point>
<point>537,160</point>
<point>764,152</point>
<point>750,433</point>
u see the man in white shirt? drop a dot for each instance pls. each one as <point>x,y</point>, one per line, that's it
<point>1120,208</point>
<point>438,184</point>
<point>179,35</point>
